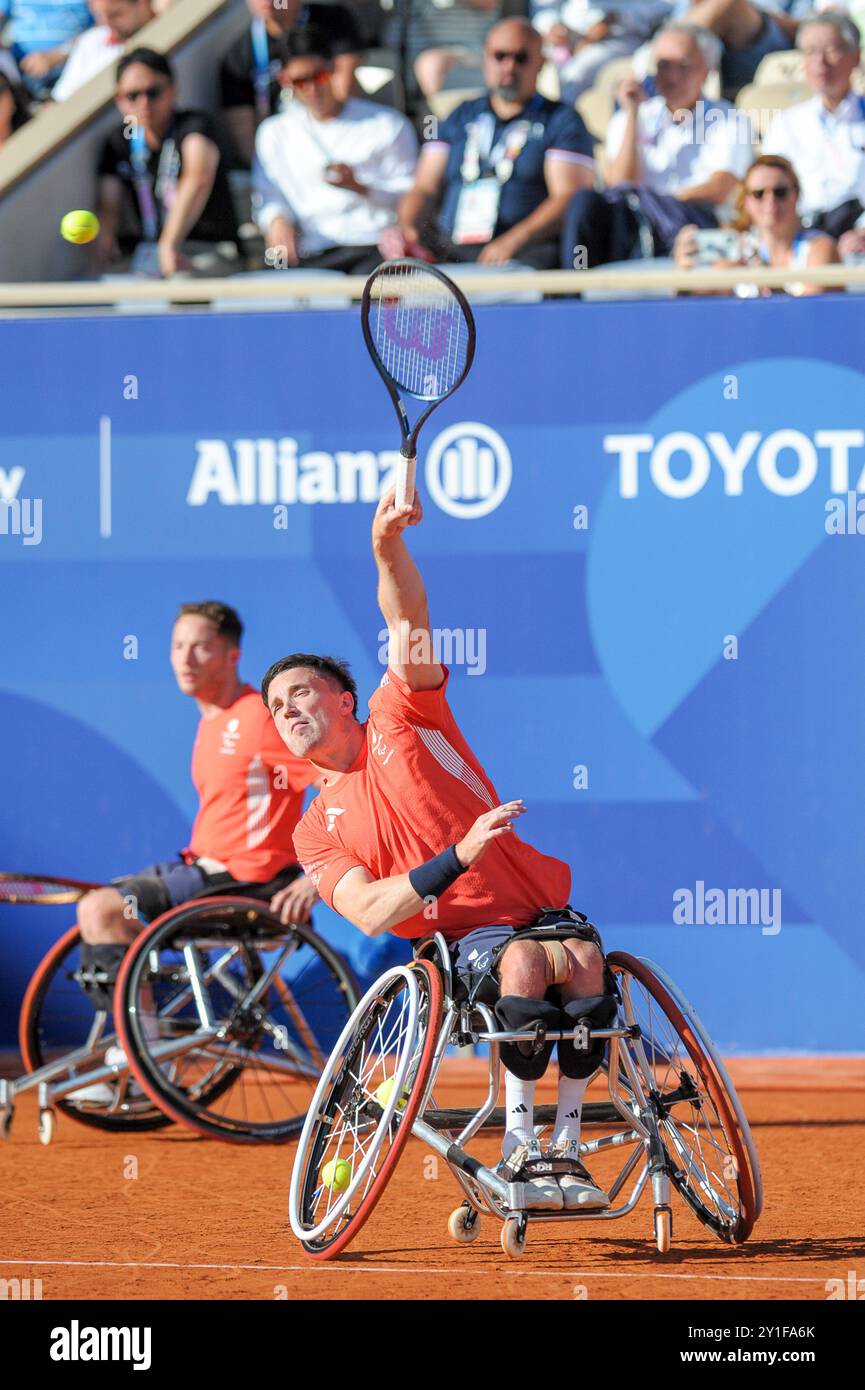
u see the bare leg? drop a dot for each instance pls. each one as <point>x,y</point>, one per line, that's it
<point>737,22</point>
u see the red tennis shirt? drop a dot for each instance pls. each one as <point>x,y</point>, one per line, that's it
<point>250,790</point>
<point>416,788</point>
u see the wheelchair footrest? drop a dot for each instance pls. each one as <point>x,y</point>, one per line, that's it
<point>594,1113</point>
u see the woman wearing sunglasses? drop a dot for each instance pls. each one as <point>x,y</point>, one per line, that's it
<point>769,230</point>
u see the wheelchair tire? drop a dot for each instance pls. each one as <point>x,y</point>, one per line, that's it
<point>723,1201</point>
<point>247,1093</point>
<point>345,1106</point>
<point>44,1012</point>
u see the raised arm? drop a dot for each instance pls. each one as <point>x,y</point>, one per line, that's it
<point>402,597</point>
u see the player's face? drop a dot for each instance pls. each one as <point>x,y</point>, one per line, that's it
<point>306,709</point>
<point>203,661</point>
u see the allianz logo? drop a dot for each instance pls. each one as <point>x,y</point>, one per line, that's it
<point>468,472</point>
<point>785,461</point>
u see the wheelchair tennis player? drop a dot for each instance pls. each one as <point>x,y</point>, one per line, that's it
<point>408,835</point>
<point>250,799</point>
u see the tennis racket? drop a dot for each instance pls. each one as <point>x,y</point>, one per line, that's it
<point>420,334</point>
<point>40,888</point>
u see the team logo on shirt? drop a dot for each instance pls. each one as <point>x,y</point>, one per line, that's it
<point>230,736</point>
<point>332,812</point>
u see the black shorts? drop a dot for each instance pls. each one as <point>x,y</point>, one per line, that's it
<point>162,886</point>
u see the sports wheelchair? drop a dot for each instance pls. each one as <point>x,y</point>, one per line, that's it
<point>223,1018</point>
<point>671,1102</point>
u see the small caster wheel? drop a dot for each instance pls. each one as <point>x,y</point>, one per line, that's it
<point>663,1229</point>
<point>513,1238</point>
<point>464,1224</point>
<point>47,1126</point>
<point>6,1124</point>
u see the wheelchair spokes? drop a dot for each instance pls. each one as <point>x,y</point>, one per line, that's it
<point>362,1112</point>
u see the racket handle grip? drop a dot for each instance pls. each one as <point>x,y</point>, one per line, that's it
<point>405,474</point>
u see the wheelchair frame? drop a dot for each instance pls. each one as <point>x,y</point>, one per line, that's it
<point>84,1066</point>
<point>638,1106</point>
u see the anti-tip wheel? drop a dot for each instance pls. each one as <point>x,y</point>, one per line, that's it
<point>663,1229</point>
<point>513,1238</point>
<point>464,1224</point>
<point>47,1126</point>
<point>6,1123</point>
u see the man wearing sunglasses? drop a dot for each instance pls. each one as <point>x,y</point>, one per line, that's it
<point>328,172</point>
<point>494,180</point>
<point>250,88</point>
<point>164,201</point>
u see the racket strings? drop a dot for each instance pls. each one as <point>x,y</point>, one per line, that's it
<point>420,331</point>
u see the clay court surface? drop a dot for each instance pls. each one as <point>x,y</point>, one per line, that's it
<point>208,1220</point>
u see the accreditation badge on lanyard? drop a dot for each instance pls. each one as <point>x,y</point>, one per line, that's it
<point>485,170</point>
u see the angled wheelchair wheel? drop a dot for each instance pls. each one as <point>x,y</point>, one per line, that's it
<point>228,1016</point>
<point>700,1119</point>
<point>57,1019</point>
<point>361,1116</point>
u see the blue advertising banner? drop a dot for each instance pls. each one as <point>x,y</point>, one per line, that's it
<point>645,558</point>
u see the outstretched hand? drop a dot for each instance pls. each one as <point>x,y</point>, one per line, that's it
<point>488,827</point>
<point>390,521</point>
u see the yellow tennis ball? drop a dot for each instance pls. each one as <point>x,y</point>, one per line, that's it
<point>336,1174</point>
<point>384,1092</point>
<point>81,226</point>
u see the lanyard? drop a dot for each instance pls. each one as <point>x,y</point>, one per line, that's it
<point>481,153</point>
<point>261,71</point>
<point>151,194</point>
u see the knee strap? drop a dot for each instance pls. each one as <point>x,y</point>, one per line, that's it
<point>514,1012</point>
<point>596,1011</point>
<point>100,966</point>
<point>560,962</point>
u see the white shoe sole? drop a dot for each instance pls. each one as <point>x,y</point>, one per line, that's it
<point>540,1195</point>
<point>584,1198</point>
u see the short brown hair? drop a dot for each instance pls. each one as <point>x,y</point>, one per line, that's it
<point>225,619</point>
<point>333,668</point>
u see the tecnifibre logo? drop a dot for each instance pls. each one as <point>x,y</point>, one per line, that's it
<point>468,472</point>
<point>77,1343</point>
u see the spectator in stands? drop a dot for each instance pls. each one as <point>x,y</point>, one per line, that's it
<point>162,174</point>
<point>771,232</point>
<point>825,136</point>
<point>582,36</point>
<point>672,159</point>
<point>328,172</point>
<point>249,75</point>
<point>41,33</point>
<point>748,32</point>
<point>442,42</point>
<point>501,169</point>
<point>14,107</point>
<point>117,22</point>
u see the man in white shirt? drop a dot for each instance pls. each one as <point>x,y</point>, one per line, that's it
<point>328,173</point>
<point>672,159</point>
<point>97,48</point>
<point>824,138</point>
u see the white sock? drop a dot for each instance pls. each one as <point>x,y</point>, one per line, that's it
<point>570,1108</point>
<point>519,1113</point>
